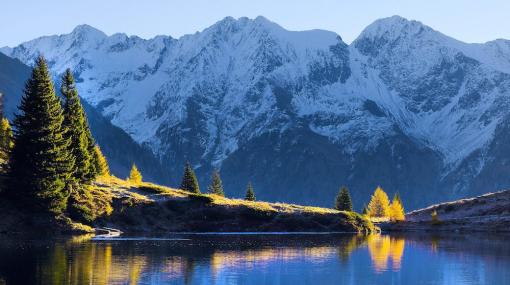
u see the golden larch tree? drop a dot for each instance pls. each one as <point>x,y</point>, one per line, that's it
<point>397,211</point>
<point>6,143</point>
<point>102,163</point>
<point>379,205</point>
<point>135,176</point>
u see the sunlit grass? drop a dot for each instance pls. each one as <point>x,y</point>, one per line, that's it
<point>137,191</point>
<point>146,192</point>
<point>272,207</point>
<point>74,227</point>
<point>379,219</point>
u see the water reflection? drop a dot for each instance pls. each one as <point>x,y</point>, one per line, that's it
<point>347,259</point>
<point>383,248</point>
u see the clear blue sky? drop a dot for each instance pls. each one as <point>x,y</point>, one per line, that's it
<point>466,20</point>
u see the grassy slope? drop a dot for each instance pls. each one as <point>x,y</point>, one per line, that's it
<point>149,207</point>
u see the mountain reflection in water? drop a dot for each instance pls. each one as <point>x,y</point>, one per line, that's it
<point>258,259</point>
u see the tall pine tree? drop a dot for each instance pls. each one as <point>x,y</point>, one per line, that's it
<point>76,126</point>
<point>216,186</point>
<point>343,200</point>
<point>41,163</point>
<point>94,167</point>
<point>250,194</point>
<point>189,180</point>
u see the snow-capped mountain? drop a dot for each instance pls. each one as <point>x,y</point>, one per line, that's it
<point>301,113</point>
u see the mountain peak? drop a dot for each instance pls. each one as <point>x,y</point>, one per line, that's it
<point>229,22</point>
<point>392,27</point>
<point>85,29</point>
<point>264,20</point>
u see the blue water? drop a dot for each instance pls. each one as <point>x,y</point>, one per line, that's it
<point>259,259</point>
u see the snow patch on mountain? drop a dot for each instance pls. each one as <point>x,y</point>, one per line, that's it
<point>450,91</point>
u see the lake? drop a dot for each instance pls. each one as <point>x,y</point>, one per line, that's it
<point>259,259</point>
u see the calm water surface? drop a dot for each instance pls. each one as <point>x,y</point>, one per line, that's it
<point>259,259</point>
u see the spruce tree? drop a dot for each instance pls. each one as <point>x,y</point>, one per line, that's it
<point>365,210</point>
<point>75,125</point>
<point>250,194</point>
<point>41,164</point>
<point>6,144</point>
<point>216,186</point>
<point>189,180</point>
<point>103,168</point>
<point>343,200</point>
<point>379,205</point>
<point>134,175</point>
<point>93,170</point>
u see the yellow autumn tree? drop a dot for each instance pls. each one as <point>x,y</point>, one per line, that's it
<point>379,205</point>
<point>6,143</point>
<point>397,211</point>
<point>135,176</point>
<point>102,163</point>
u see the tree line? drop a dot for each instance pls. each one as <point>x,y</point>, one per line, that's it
<point>189,182</point>
<point>50,157</point>
<point>378,207</point>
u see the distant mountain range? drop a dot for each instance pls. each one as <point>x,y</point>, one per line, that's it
<point>301,113</point>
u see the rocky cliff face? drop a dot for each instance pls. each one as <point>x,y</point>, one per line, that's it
<point>301,113</point>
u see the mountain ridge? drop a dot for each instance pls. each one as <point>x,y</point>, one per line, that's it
<point>401,93</point>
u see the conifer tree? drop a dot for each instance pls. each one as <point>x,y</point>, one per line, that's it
<point>41,163</point>
<point>6,144</point>
<point>343,200</point>
<point>396,211</point>
<point>397,197</point>
<point>103,168</point>
<point>189,180</point>
<point>134,175</point>
<point>379,204</point>
<point>93,171</point>
<point>250,194</point>
<point>75,124</point>
<point>216,186</point>
<point>365,210</point>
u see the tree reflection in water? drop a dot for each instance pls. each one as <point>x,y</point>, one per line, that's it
<point>82,261</point>
<point>383,248</point>
<point>253,259</point>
